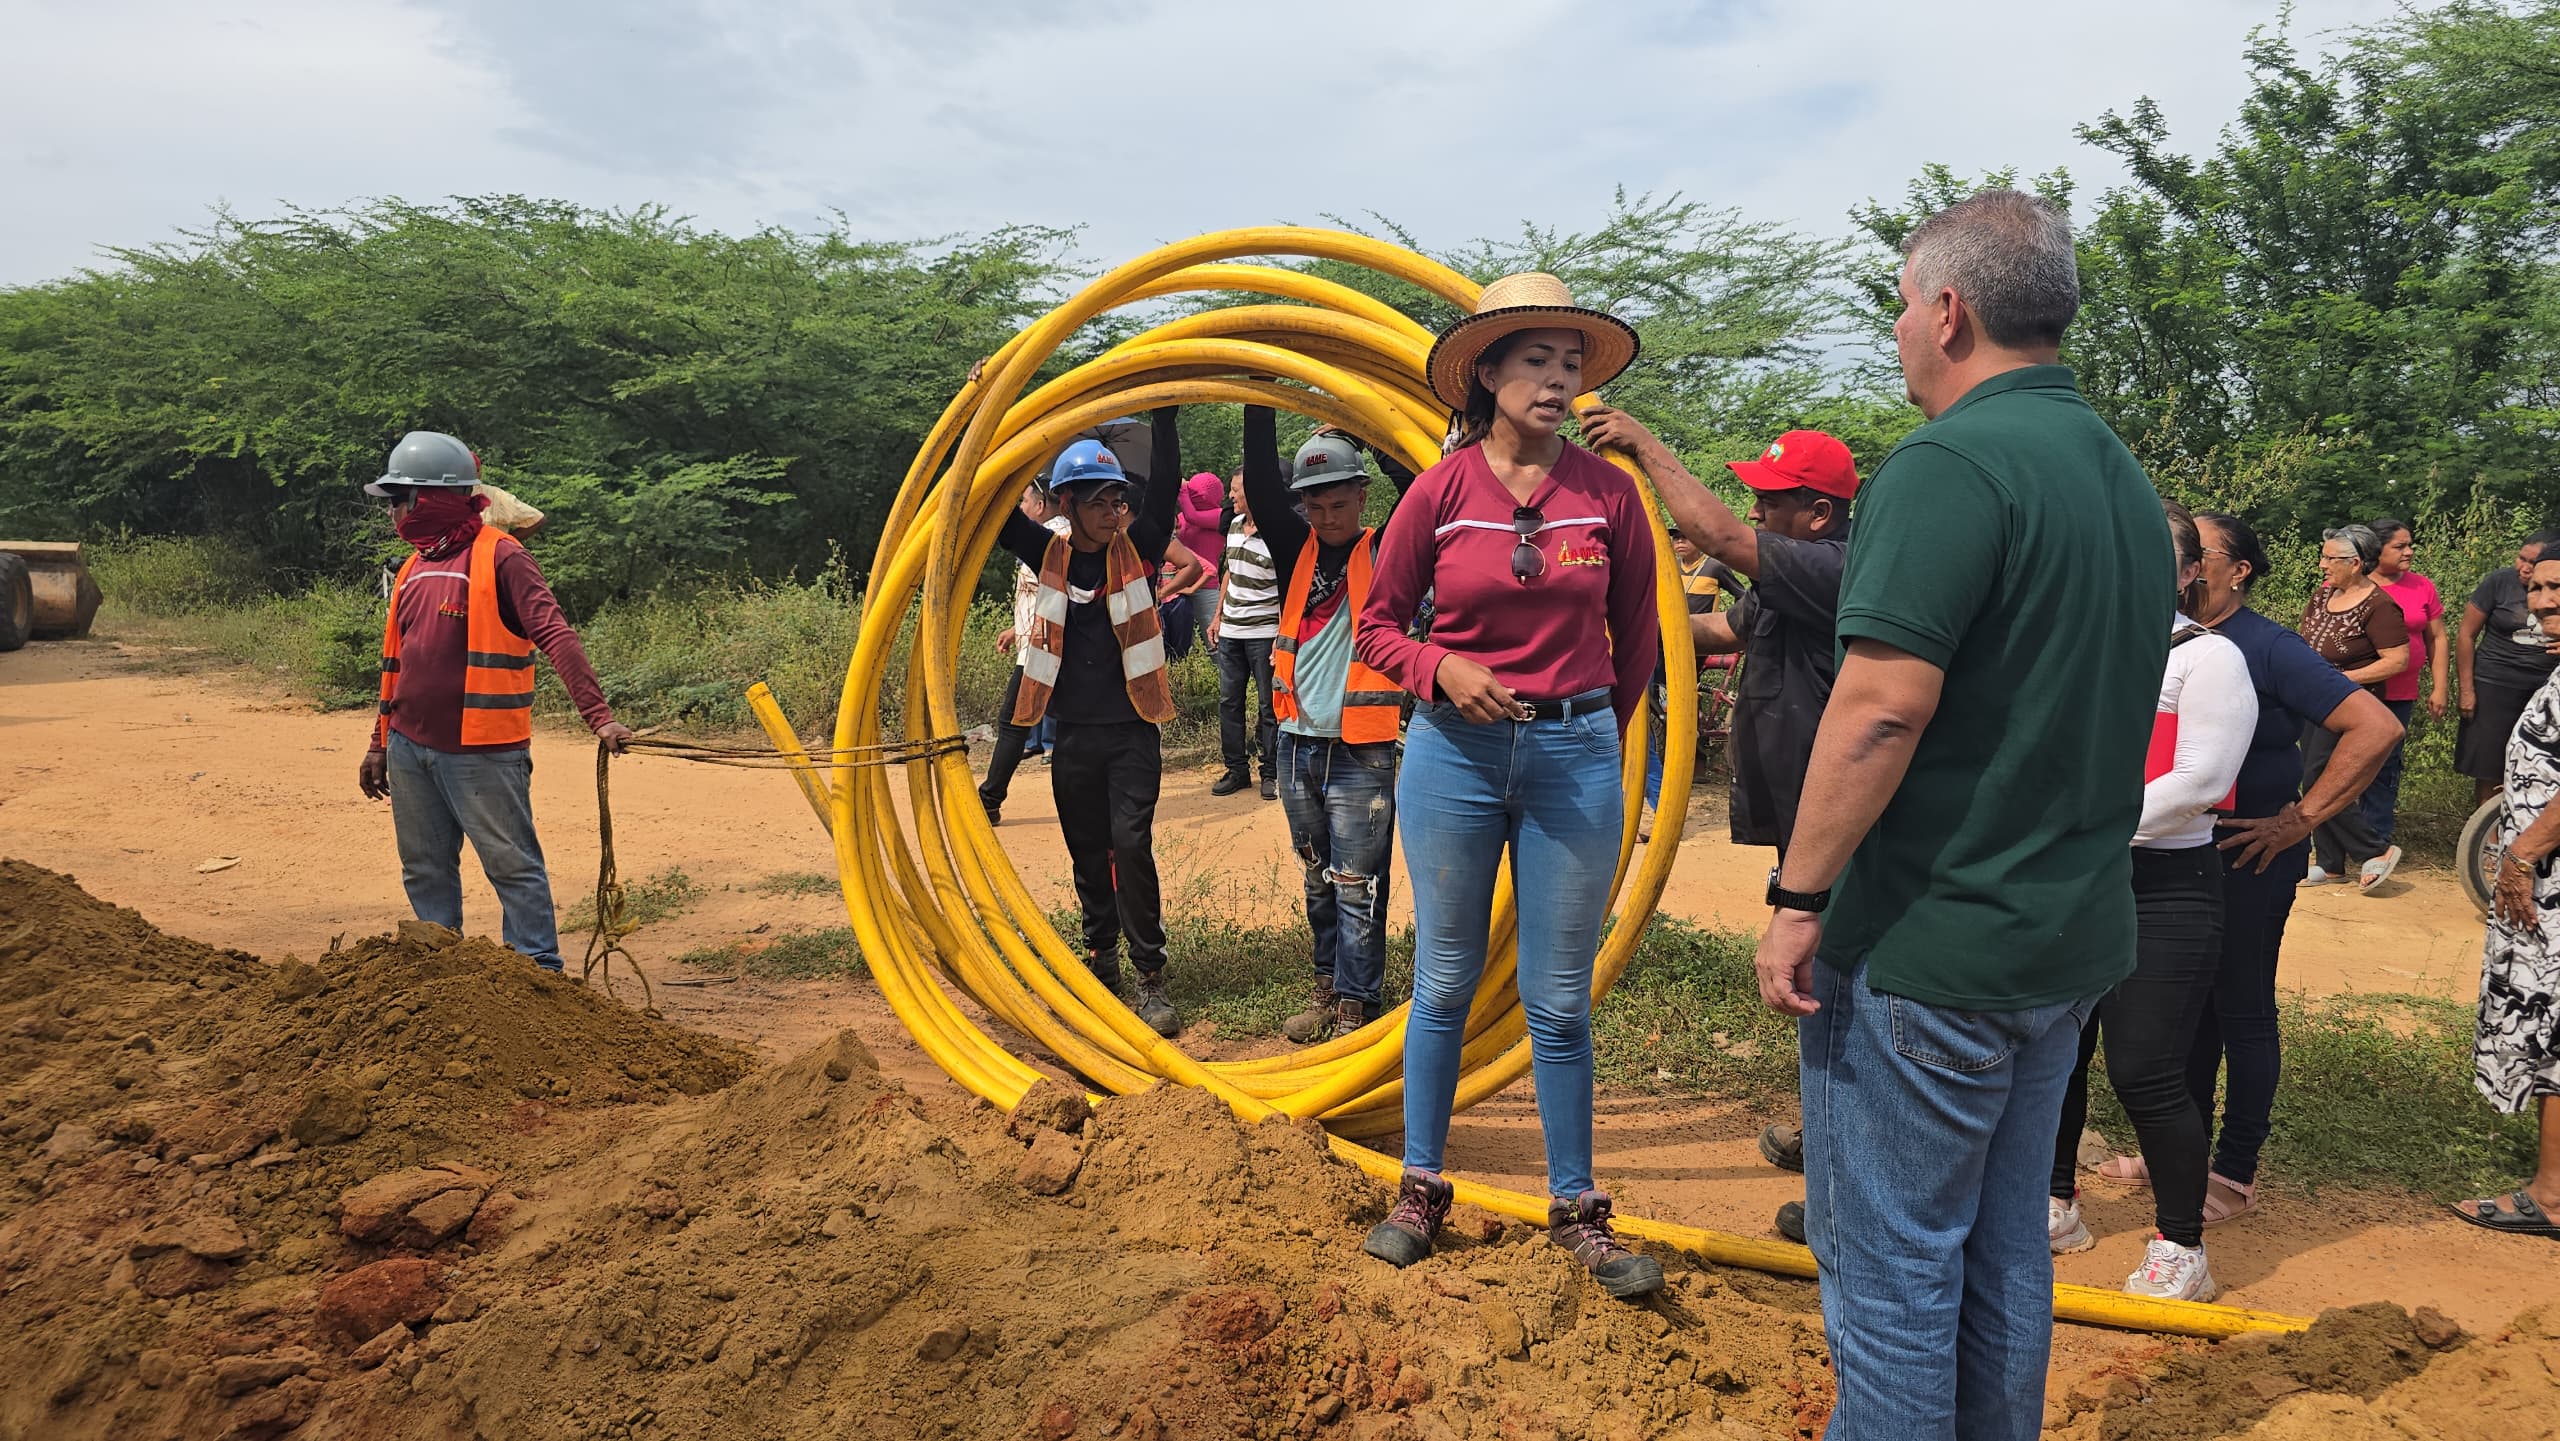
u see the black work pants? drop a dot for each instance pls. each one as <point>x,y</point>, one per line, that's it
<point>1105,779</point>
<point>1240,662</point>
<point>2240,1027</point>
<point>1010,739</point>
<point>2345,841</point>
<point>2150,1023</point>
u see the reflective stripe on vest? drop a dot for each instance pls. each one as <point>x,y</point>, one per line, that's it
<point>1371,703</point>
<point>497,670</point>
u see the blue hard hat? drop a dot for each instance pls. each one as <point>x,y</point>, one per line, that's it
<point>1087,462</point>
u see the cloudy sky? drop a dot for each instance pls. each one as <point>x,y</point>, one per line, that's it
<point>1141,120</point>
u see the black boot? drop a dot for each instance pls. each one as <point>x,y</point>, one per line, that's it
<point>1155,1004</point>
<point>1581,1226</point>
<point>1422,1203</point>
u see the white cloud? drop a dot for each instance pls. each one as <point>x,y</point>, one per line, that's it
<point>1144,120</point>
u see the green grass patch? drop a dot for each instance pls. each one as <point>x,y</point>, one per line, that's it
<point>795,883</point>
<point>1687,1017</point>
<point>644,903</point>
<point>790,955</point>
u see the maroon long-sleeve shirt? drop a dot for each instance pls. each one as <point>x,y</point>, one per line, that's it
<point>427,708</point>
<point>1586,622</point>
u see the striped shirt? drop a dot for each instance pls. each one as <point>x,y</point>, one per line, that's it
<point>1249,603</point>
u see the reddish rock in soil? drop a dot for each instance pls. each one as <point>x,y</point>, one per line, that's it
<point>178,1273</point>
<point>1051,1164</point>
<point>494,1219</point>
<point>1051,1105</point>
<point>1231,1318</point>
<point>214,1238</point>
<point>362,1303</point>
<point>274,1411</point>
<point>1057,1421</point>
<point>383,1347</point>
<point>437,1218</point>
<point>237,1375</point>
<point>374,1211</point>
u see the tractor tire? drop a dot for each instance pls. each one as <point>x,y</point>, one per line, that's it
<point>17,603</point>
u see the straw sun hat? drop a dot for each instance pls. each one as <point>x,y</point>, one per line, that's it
<point>1532,300</point>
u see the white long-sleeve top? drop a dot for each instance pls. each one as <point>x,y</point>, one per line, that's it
<point>2207,688</point>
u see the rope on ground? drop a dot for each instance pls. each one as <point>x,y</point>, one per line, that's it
<point>727,753</point>
<point>612,924</point>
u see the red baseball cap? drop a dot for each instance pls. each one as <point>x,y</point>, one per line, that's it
<point>1807,458</point>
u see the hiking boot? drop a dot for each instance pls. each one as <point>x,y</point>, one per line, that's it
<point>1270,787</point>
<point>2172,1272</point>
<point>1422,1203</point>
<point>1791,1221</point>
<point>1155,1006</point>
<point>1581,1226</point>
<point>1783,1147</point>
<point>1316,1021</point>
<point>2063,1228</point>
<point>1106,969</point>
<point>1230,783</point>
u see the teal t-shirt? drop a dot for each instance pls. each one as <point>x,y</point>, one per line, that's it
<point>2015,544</point>
<point>1323,670</point>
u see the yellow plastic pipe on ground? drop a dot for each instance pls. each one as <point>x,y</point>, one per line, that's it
<point>935,903</point>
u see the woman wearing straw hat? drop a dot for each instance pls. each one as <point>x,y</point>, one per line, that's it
<point>1540,561</point>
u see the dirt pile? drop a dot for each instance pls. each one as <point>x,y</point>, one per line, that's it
<point>2349,1355</point>
<point>177,1126</point>
<point>819,1253</point>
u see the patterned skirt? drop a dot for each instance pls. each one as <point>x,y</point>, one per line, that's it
<point>2516,1053</point>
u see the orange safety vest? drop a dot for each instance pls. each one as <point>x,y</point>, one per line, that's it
<point>497,673</point>
<point>1371,703</point>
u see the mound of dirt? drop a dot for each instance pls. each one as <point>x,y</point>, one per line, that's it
<point>178,1123</point>
<point>2499,1388</point>
<point>819,1253</point>
<point>2209,1392</point>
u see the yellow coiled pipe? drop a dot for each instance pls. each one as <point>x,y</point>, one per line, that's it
<point>933,899</point>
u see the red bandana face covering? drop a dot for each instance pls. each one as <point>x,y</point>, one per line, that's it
<point>441,521</point>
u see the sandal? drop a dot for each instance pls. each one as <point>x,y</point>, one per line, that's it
<point>2526,1218</point>
<point>2226,1199</point>
<point>2131,1170</point>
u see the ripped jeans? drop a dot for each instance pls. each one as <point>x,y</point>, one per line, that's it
<point>1341,803</point>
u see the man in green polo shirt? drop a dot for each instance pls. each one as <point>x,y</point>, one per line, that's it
<point>1970,803</point>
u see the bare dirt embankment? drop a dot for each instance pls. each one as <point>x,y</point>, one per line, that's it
<point>414,1188</point>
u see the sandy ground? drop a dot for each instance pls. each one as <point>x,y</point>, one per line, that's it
<point>130,776</point>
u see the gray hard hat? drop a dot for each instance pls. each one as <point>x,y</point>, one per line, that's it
<point>1327,460</point>
<point>428,457</point>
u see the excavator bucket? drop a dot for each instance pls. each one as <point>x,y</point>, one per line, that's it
<point>61,597</point>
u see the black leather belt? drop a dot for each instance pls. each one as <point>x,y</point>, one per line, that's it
<point>1569,707</point>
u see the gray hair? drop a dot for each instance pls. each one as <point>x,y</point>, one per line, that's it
<point>2368,545</point>
<point>2009,256</point>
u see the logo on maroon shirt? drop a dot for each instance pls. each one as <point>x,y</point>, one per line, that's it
<point>1593,553</point>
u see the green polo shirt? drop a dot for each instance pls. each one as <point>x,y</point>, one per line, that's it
<point>2014,543</point>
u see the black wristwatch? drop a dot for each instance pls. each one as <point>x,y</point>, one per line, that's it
<point>1782,899</point>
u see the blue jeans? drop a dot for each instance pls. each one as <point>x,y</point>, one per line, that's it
<point>1653,750</point>
<point>1548,790</point>
<point>1928,1134</point>
<point>2381,800</point>
<point>1341,802</point>
<point>437,799</point>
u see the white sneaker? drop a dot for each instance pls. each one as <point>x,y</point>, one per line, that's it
<point>2063,1229</point>
<point>2171,1272</point>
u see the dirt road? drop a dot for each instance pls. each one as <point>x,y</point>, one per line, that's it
<point>132,776</point>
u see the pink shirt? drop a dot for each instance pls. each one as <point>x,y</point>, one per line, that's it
<point>1586,622</point>
<point>2419,605</point>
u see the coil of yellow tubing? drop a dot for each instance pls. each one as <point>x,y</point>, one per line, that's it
<point>937,906</point>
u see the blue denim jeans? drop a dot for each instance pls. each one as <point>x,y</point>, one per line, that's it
<point>437,799</point>
<point>1547,790</point>
<point>1341,802</point>
<point>2381,800</point>
<point>1928,1135</point>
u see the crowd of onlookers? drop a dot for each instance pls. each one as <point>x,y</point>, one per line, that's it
<point>2040,781</point>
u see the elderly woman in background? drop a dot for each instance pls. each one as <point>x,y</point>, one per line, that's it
<point>2357,627</point>
<point>2516,1053</point>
